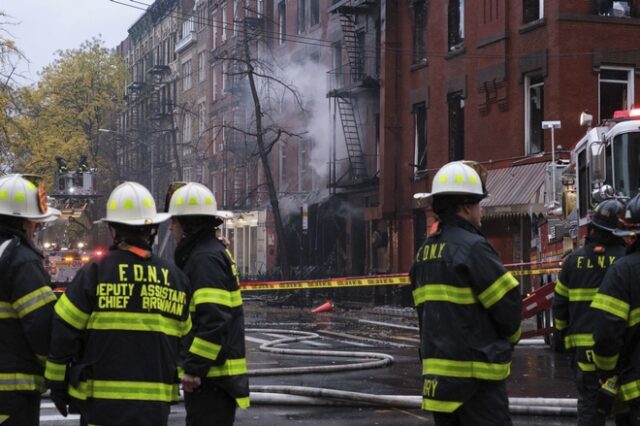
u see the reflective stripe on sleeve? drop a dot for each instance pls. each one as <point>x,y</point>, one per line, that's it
<point>232,299</point>
<point>610,304</point>
<point>243,402</point>
<point>582,294</point>
<point>561,289</point>
<point>634,317</point>
<point>21,382</point>
<point>204,348</point>
<point>586,366</point>
<point>630,390</point>
<point>70,313</point>
<point>55,372</point>
<point>440,406</point>
<point>7,311</point>
<point>559,324</point>
<point>132,321</point>
<point>578,340</point>
<point>444,293</point>
<point>606,363</point>
<point>116,389</point>
<point>465,369</point>
<point>496,291</point>
<point>231,367</point>
<point>32,301</point>
<point>515,337</point>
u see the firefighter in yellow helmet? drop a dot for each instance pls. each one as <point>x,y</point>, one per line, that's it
<point>215,377</point>
<point>116,333</point>
<point>468,305</point>
<point>26,300</point>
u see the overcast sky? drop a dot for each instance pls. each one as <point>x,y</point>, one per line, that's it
<point>43,27</point>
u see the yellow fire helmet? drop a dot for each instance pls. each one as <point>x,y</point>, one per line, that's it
<point>132,204</point>
<point>21,197</point>
<point>455,178</point>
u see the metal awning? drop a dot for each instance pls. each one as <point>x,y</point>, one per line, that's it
<point>516,190</point>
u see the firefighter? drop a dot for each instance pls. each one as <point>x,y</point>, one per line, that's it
<point>26,300</point>
<point>215,377</point>
<point>116,331</point>
<point>616,332</point>
<point>468,305</point>
<point>581,275</point>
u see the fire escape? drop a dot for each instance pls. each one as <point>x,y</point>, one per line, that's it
<point>346,84</point>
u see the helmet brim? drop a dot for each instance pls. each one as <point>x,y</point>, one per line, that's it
<point>624,232</point>
<point>158,218</point>
<point>50,216</point>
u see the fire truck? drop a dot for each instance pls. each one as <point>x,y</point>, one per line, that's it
<point>604,163</point>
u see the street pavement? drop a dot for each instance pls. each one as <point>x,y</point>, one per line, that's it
<point>536,370</point>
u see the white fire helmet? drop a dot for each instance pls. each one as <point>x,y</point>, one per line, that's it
<point>132,204</point>
<point>20,197</point>
<point>455,178</point>
<point>193,199</point>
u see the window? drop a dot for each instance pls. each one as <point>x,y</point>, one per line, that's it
<point>619,9</point>
<point>615,91</point>
<point>186,75</point>
<point>186,174</point>
<point>282,22</point>
<point>314,12</point>
<point>214,31</point>
<point>202,75</point>
<point>302,164</point>
<point>420,139</point>
<point>533,114</point>
<point>455,102</point>
<point>224,23</point>
<point>302,9</point>
<point>456,24</point>
<point>223,78</point>
<point>532,10</point>
<point>188,129</point>
<point>214,81</point>
<point>260,7</point>
<point>202,118</point>
<point>419,22</point>
<point>201,17</point>
<point>282,167</point>
<point>236,18</point>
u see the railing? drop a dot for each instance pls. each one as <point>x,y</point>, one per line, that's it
<point>342,168</point>
<point>350,76</point>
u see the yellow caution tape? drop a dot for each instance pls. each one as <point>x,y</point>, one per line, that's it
<point>402,279</point>
<point>536,271</point>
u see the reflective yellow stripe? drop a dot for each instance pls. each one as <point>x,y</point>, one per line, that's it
<point>561,289</point>
<point>465,369</point>
<point>607,363</point>
<point>3,417</point>
<point>582,294</point>
<point>105,320</point>
<point>444,293</point>
<point>205,349</point>
<point>630,390</point>
<point>578,340</point>
<point>634,317</point>
<point>497,290</point>
<point>559,324</point>
<point>7,311</point>
<point>55,372</point>
<point>243,402</point>
<point>586,366</point>
<point>231,367</point>
<point>34,300</point>
<point>611,305</point>
<point>515,336</point>
<point>115,389</point>
<point>440,406</point>
<point>231,299</point>
<point>21,382</point>
<point>70,313</point>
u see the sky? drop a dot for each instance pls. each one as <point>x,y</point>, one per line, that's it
<point>42,27</point>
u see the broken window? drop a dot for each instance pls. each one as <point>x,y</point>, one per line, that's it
<point>619,9</point>
<point>456,24</point>
<point>534,113</point>
<point>419,25</point>
<point>420,139</point>
<point>615,91</point>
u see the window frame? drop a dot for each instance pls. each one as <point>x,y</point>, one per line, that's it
<point>630,86</point>
<point>528,126</point>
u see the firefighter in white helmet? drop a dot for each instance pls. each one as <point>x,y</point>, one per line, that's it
<point>26,299</point>
<point>468,306</point>
<point>215,368</point>
<point>117,329</point>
